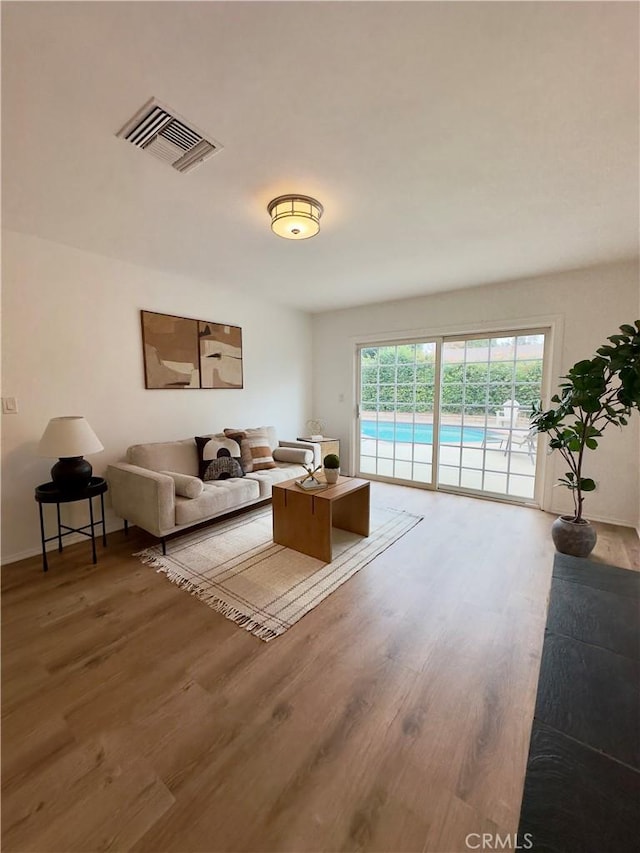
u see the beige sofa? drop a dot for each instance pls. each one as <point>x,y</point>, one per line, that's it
<point>157,487</point>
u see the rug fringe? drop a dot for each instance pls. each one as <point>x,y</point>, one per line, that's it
<point>232,613</point>
<point>149,559</point>
<point>240,618</point>
<point>156,562</point>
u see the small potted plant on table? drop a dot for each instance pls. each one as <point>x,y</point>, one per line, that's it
<point>331,464</point>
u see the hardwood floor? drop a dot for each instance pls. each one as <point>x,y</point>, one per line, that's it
<point>394,717</point>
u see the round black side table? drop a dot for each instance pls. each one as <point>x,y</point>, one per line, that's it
<point>48,493</point>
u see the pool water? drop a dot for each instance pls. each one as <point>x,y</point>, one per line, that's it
<point>420,433</point>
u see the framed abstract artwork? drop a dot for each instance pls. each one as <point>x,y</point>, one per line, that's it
<point>180,352</point>
<point>220,355</point>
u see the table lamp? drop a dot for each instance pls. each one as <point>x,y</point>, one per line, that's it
<point>69,438</point>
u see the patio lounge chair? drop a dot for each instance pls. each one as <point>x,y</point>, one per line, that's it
<point>508,433</point>
<point>524,438</point>
<point>507,416</point>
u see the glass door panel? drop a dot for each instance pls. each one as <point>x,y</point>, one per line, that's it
<point>487,390</point>
<point>397,385</point>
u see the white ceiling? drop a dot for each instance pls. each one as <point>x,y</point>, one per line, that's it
<point>451,144</point>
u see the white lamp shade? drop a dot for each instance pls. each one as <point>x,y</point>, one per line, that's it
<point>67,437</point>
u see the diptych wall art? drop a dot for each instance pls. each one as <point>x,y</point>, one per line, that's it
<point>183,353</point>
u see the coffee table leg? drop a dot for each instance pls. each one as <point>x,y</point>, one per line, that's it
<point>321,524</point>
<point>45,565</point>
<point>351,512</point>
<point>303,523</point>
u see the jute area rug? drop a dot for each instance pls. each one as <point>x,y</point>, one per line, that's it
<point>237,569</point>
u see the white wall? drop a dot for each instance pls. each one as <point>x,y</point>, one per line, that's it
<point>72,345</point>
<point>588,305</point>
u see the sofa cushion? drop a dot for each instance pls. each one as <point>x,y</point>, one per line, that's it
<point>283,471</point>
<point>218,458</point>
<point>272,436</point>
<point>179,456</point>
<point>255,448</point>
<point>185,485</point>
<point>217,497</point>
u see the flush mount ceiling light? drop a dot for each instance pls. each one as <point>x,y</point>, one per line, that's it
<point>295,217</point>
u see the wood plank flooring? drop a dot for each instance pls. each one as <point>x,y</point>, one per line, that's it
<point>394,717</point>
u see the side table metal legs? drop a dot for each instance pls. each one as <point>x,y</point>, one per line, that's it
<point>59,530</point>
<point>45,565</point>
<point>104,529</point>
<point>48,493</point>
<point>93,532</point>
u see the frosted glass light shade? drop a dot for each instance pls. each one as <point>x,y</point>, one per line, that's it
<point>67,437</point>
<point>295,217</point>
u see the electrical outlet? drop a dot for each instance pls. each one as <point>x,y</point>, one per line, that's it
<point>9,406</point>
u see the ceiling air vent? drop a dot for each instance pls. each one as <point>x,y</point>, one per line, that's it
<point>160,131</point>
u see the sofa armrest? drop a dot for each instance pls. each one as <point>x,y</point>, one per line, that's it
<point>307,445</point>
<point>143,497</point>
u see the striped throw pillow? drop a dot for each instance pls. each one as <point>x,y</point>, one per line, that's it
<point>255,449</point>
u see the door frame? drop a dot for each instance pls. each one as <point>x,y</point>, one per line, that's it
<point>553,325</point>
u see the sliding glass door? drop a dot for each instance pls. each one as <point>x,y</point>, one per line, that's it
<point>452,413</point>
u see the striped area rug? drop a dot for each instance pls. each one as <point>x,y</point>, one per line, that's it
<point>236,568</point>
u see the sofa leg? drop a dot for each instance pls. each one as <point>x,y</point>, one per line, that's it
<point>126,527</point>
<point>164,547</point>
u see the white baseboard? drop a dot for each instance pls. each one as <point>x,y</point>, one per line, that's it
<point>22,555</point>
<point>73,539</point>
<point>605,520</point>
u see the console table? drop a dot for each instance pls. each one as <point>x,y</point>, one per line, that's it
<point>327,445</point>
<point>48,493</point>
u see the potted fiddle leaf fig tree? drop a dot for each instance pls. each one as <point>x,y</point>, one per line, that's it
<point>595,392</point>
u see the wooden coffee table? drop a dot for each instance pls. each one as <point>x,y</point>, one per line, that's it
<point>303,520</point>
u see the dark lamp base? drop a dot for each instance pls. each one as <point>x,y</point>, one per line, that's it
<point>71,474</point>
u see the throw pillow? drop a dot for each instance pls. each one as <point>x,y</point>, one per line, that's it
<point>222,468</point>
<point>186,485</point>
<point>254,448</point>
<point>218,459</point>
<point>245,454</point>
<point>298,455</point>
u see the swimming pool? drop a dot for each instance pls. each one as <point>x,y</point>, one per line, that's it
<point>420,433</point>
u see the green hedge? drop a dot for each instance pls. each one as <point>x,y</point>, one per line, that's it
<point>405,385</point>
